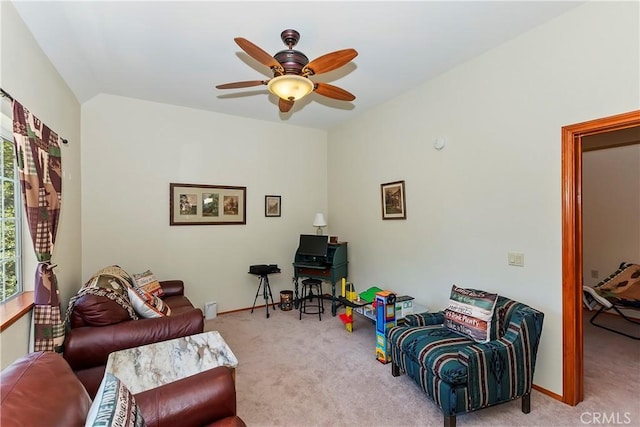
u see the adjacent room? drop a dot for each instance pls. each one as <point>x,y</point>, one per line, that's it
<point>317,195</point>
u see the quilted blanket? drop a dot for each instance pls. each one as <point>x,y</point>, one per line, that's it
<point>110,282</point>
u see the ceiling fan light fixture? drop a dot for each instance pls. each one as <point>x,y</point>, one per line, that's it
<point>290,87</point>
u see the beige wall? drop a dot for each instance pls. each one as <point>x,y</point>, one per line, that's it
<point>611,209</point>
<point>133,149</point>
<point>27,74</point>
<point>495,187</point>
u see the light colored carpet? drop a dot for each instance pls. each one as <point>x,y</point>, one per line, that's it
<point>314,373</point>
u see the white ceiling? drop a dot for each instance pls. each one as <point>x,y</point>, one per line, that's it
<point>176,52</point>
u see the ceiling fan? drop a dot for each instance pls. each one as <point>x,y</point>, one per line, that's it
<point>292,69</point>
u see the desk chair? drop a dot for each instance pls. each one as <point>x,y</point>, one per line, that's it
<point>308,287</point>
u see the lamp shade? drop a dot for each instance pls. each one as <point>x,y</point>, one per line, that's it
<point>290,86</point>
<point>319,221</point>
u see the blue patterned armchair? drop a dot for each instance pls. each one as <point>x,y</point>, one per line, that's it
<point>462,375</point>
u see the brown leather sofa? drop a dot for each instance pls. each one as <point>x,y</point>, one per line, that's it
<point>99,326</point>
<point>41,389</point>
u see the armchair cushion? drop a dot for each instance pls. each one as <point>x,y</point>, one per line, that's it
<point>178,304</point>
<point>114,406</point>
<point>435,348</point>
<point>470,313</point>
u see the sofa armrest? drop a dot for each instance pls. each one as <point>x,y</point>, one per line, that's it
<point>197,400</point>
<point>89,346</point>
<point>172,287</point>
<point>492,366</point>
<point>424,319</point>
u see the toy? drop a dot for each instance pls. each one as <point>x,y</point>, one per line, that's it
<point>385,305</point>
<point>348,292</point>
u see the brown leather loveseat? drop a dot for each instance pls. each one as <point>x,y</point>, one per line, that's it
<point>99,326</point>
<point>41,389</point>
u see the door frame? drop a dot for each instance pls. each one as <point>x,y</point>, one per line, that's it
<point>572,341</point>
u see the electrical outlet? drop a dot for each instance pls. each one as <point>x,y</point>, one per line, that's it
<point>516,259</point>
<point>594,274</point>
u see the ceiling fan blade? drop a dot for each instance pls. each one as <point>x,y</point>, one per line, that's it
<point>330,61</point>
<point>237,85</point>
<point>285,105</point>
<point>331,91</point>
<point>257,53</point>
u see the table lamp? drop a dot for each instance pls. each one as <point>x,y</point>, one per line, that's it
<point>319,222</point>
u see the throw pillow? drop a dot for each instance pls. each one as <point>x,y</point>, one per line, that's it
<point>146,304</point>
<point>470,312</point>
<point>147,282</point>
<point>114,406</point>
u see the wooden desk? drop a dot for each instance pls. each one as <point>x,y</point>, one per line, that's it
<point>331,269</point>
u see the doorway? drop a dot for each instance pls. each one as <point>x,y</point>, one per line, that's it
<point>573,363</point>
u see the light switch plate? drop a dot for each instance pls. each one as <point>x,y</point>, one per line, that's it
<point>516,259</point>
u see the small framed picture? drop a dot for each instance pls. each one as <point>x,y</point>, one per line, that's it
<point>272,205</point>
<point>393,200</point>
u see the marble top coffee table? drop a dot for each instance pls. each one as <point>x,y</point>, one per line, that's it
<point>152,365</point>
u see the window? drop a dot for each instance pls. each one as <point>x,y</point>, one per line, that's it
<point>10,225</point>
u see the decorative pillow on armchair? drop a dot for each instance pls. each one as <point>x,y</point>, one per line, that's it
<point>470,312</point>
<point>114,406</point>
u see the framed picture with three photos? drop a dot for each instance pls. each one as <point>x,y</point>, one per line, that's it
<point>198,204</point>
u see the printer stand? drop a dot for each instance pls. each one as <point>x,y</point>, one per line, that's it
<point>266,292</point>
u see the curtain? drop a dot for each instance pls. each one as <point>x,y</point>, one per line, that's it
<point>40,172</point>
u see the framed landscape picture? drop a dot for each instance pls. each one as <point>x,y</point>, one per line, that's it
<point>196,204</point>
<point>393,200</point>
<point>272,205</point>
